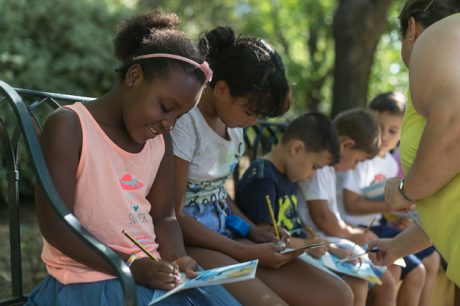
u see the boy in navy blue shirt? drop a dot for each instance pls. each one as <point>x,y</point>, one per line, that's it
<point>309,143</point>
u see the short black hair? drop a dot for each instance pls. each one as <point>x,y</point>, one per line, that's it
<point>391,102</point>
<point>426,12</point>
<point>251,67</point>
<point>317,132</point>
<point>362,126</point>
<point>155,32</point>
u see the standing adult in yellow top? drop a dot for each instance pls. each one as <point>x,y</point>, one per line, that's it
<point>430,140</point>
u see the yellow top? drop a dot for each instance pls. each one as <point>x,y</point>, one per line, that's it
<point>440,212</point>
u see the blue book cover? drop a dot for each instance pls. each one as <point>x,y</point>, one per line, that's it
<point>374,191</point>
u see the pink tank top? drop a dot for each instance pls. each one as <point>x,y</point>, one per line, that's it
<point>110,196</point>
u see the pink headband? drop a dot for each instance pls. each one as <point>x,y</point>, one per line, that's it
<point>203,66</point>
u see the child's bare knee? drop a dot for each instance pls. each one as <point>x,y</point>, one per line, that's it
<point>346,296</point>
<point>342,294</point>
<point>416,276</point>
<point>432,263</point>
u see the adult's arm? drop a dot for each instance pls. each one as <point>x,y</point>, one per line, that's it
<point>434,75</point>
<point>411,240</point>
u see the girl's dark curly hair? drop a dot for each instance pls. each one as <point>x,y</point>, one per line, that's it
<point>155,32</point>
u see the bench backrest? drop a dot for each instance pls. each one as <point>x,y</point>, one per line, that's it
<point>259,139</point>
<point>22,114</point>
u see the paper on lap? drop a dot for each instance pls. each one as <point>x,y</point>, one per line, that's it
<point>366,270</point>
<point>222,275</point>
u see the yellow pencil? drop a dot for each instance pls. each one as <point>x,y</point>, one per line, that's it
<point>370,224</point>
<point>139,246</point>
<point>272,215</point>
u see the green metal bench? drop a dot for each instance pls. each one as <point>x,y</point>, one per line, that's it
<point>30,108</point>
<point>259,139</point>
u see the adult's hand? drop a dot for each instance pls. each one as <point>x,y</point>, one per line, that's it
<point>386,253</point>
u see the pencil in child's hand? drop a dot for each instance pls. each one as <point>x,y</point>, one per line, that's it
<point>139,246</point>
<point>272,215</point>
<point>370,224</point>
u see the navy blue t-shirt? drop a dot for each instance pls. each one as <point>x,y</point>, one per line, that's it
<point>262,178</point>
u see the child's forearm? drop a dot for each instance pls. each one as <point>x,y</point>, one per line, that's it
<point>326,220</point>
<point>336,228</point>
<point>169,238</point>
<point>358,205</point>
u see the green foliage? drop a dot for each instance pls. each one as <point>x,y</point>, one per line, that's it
<point>301,32</point>
<point>58,45</point>
<point>63,46</point>
<point>388,71</point>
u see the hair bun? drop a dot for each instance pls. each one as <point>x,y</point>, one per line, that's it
<point>216,40</point>
<point>131,34</point>
<point>160,21</point>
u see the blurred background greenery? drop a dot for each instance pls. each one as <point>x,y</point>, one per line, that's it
<point>66,46</point>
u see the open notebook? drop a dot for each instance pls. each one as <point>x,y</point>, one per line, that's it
<point>222,275</point>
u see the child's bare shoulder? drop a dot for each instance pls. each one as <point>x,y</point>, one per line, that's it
<point>63,117</point>
<point>62,126</point>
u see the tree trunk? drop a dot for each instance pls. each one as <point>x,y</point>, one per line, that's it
<point>357,28</point>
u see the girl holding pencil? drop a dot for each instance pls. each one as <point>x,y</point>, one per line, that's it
<point>111,162</point>
<point>249,81</point>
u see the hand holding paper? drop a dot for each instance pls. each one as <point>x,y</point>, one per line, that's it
<point>187,265</point>
<point>320,244</point>
<point>221,275</point>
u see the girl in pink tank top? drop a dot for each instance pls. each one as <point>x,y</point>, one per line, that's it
<point>111,162</point>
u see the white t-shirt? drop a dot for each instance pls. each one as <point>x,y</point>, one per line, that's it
<point>211,157</point>
<point>368,174</point>
<point>321,187</point>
